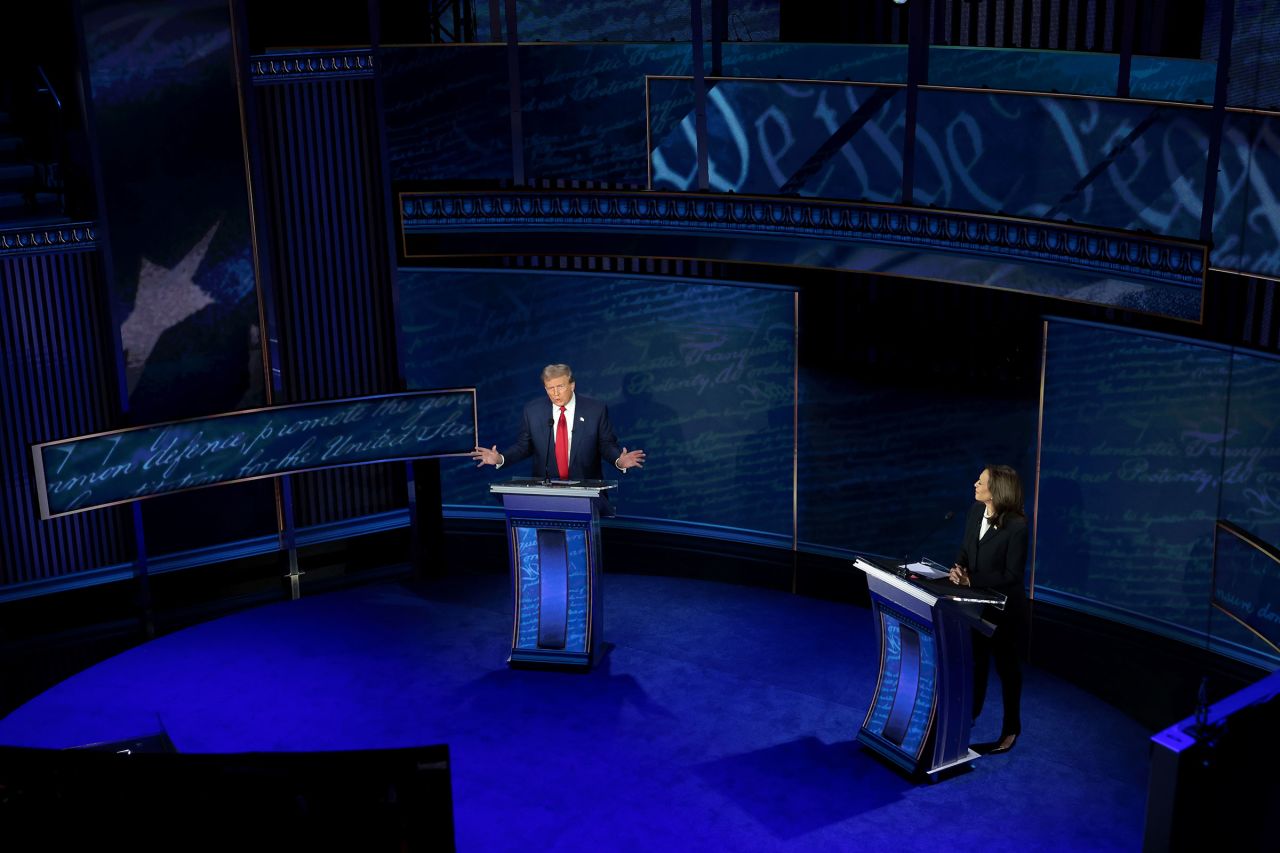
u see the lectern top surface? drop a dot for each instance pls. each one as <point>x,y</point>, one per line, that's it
<point>537,486</point>
<point>946,589</point>
<point>940,588</point>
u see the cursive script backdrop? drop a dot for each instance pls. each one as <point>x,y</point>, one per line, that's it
<point>701,376</point>
<point>99,470</point>
<point>1246,584</point>
<point>1147,442</point>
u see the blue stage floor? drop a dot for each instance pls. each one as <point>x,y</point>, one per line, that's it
<point>722,718</point>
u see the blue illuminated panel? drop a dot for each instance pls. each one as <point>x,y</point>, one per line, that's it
<point>553,589</point>
<point>541,614</point>
<point>904,700</point>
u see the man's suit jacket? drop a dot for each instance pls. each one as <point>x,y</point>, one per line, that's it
<point>593,440</point>
<point>998,561</point>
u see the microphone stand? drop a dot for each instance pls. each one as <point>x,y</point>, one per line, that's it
<point>906,561</point>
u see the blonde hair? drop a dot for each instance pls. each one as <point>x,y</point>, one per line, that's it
<point>555,371</point>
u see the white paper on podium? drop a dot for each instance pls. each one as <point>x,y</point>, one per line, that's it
<point>925,570</point>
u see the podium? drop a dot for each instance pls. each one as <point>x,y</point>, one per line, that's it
<point>920,716</point>
<point>553,538</point>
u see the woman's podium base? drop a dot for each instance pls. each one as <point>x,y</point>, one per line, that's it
<point>553,538</point>
<point>920,716</point>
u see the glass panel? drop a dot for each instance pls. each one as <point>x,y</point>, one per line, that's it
<point>700,376</point>
<point>832,140</point>
<point>1251,476</point>
<point>902,466</point>
<point>1246,222</point>
<point>1034,70</point>
<point>1109,163</point>
<point>1129,472</point>
<point>1164,78</point>
<point>1246,584</point>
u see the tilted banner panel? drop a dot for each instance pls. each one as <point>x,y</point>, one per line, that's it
<point>93,471</point>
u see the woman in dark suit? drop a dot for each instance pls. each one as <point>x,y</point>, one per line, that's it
<point>993,555</point>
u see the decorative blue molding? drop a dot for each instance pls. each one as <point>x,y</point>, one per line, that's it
<point>1123,253</point>
<point>49,239</point>
<point>274,68</point>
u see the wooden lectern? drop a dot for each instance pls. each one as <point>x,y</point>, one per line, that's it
<point>553,537</point>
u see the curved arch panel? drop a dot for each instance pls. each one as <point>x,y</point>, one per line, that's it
<point>1132,270</point>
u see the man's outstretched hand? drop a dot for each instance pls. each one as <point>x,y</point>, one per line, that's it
<point>634,459</point>
<point>486,456</point>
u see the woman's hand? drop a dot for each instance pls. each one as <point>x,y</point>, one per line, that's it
<point>959,575</point>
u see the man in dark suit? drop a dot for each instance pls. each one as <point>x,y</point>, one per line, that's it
<point>571,434</point>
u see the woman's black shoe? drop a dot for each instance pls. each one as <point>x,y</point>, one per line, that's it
<point>1006,743</point>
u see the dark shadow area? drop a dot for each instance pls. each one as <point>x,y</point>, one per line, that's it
<point>797,787</point>
<point>547,696</point>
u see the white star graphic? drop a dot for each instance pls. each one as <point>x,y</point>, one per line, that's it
<point>165,298</point>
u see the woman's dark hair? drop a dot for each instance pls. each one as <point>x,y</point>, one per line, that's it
<point>1006,493</point>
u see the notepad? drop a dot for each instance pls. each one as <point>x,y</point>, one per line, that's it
<point>925,570</point>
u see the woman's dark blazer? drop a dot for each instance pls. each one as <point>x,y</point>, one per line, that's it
<point>998,562</point>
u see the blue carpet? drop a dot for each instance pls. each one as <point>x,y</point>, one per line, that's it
<point>721,717</point>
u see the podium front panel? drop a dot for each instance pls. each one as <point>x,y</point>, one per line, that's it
<point>553,564</point>
<point>920,714</point>
<point>553,540</point>
<point>898,721</point>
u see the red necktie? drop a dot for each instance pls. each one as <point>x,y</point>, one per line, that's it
<point>562,447</point>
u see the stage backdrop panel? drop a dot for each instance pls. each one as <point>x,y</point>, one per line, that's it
<point>1251,468</point>
<point>173,175</point>
<point>883,463</point>
<point>1153,77</point>
<point>1254,80</point>
<point>700,376</point>
<point>447,112</point>
<point>1246,588</point>
<point>640,20</point>
<point>583,108</point>
<point>1110,163</point>
<point>1246,221</point>
<point>1147,441</point>
<point>828,140</point>
<point>176,205</point>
